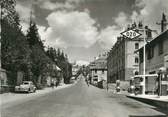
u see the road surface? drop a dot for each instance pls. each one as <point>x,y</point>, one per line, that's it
<point>79,100</point>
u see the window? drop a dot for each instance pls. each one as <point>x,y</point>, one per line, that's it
<point>136,73</point>
<point>25,83</point>
<point>153,72</point>
<point>150,53</point>
<point>160,48</point>
<point>95,71</point>
<point>141,56</point>
<point>103,71</point>
<point>136,60</point>
<point>136,45</point>
<point>2,82</point>
<point>149,33</point>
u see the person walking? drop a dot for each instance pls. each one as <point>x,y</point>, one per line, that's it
<point>107,87</point>
<point>86,80</point>
<point>88,83</point>
<point>52,84</point>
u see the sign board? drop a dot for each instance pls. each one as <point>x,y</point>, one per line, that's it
<point>130,34</point>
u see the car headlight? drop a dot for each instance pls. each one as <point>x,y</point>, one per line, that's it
<point>16,86</point>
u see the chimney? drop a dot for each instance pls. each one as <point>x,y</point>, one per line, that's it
<point>163,23</point>
<point>148,32</point>
<point>140,25</point>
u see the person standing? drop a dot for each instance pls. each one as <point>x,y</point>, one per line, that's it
<point>87,81</point>
<point>52,84</point>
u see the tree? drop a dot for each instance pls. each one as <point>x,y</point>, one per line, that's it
<point>61,60</point>
<point>33,37</point>
<point>39,59</point>
<point>14,47</point>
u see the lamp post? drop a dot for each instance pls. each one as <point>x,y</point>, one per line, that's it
<point>144,57</point>
<point>144,65</point>
<point>144,62</point>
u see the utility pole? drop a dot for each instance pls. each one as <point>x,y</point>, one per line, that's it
<point>144,29</point>
<point>144,66</point>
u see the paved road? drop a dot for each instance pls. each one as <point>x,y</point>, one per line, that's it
<point>80,100</point>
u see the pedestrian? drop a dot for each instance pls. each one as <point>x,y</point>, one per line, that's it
<point>57,83</point>
<point>107,87</point>
<point>52,85</point>
<point>88,83</point>
<point>86,80</point>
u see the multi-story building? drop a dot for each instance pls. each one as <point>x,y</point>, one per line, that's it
<point>98,69</point>
<point>156,51</point>
<point>156,58</point>
<point>75,69</point>
<point>56,75</point>
<point>122,61</point>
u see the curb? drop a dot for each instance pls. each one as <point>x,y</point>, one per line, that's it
<point>153,102</point>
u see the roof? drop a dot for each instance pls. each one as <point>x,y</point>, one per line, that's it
<point>100,63</point>
<point>162,36</point>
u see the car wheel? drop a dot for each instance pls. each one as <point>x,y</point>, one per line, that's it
<point>29,90</point>
<point>34,90</point>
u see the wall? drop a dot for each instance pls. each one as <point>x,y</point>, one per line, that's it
<point>3,81</point>
<point>3,77</point>
<point>130,66</point>
<point>99,74</point>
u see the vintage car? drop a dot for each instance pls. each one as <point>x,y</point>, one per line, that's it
<point>26,86</point>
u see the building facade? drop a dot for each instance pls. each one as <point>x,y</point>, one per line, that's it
<point>98,70</point>
<point>122,61</point>
<point>156,58</point>
<point>55,77</point>
<point>75,69</point>
<point>156,54</point>
<point>156,51</point>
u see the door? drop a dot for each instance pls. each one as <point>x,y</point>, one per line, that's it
<point>166,61</point>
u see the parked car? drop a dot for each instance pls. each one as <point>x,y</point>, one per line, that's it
<point>26,86</point>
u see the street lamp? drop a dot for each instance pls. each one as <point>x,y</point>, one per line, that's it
<point>144,66</point>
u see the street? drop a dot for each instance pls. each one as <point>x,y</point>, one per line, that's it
<point>79,100</point>
<point>84,58</point>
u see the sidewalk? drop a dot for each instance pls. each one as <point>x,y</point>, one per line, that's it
<point>11,97</point>
<point>153,97</point>
<point>154,100</point>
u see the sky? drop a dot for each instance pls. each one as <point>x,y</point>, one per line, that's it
<point>85,29</point>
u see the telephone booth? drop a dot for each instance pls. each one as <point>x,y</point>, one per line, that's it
<point>118,85</point>
<point>131,89</point>
<point>163,81</point>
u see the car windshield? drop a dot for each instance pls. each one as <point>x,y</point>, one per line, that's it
<point>25,83</point>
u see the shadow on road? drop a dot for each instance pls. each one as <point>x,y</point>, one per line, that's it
<point>147,116</point>
<point>162,110</point>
